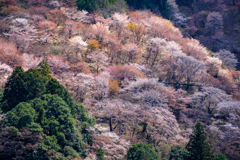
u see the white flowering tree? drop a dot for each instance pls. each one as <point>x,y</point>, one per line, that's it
<point>228,58</point>
<point>208,99</point>
<point>99,59</point>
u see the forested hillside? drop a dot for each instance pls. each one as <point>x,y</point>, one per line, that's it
<point>100,79</point>
<point>214,22</point>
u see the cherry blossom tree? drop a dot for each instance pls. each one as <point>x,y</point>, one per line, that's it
<point>80,67</point>
<point>22,33</point>
<point>193,48</point>
<point>71,28</point>
<point>119,73</point>
<point>214,65</point>
<point>184,70</point>
<point>80,86</point>
<point>9,54</point>
<point>214,23</point>
<point>227,58</point>
<point>30,61</point>
<point>229,111</point>
<point>99,32</point>
<point>131,53</point>
<point>57,63</point>
<point>120,19</point>
<point>5,71</point>
<point>208,99</point>
<point>99,59</point>
<point>138,31</point>
<point>102,85</point>
<point>155,51</point>
<point>47,27</point>
<point>114,48</point>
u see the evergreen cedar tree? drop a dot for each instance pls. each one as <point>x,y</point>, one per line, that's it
<point>37,105</point>
<point>198,147</point>
<point>142,151</point>
<point>25,86</point>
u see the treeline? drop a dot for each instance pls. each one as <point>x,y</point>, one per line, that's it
<point>107,7</point>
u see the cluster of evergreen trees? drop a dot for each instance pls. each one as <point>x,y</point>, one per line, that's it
<point>42,119</point>
<point>197,149</point>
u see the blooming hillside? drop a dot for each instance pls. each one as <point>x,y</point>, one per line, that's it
<point>135,73</point>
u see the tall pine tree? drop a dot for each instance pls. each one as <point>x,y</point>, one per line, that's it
<point>198,146</point>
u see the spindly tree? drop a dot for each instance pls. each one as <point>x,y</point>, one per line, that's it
<point>198,147</point>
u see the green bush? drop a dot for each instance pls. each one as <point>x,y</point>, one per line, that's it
<point>142,151</point>
<point>178,152</point>
<point>220,156</point>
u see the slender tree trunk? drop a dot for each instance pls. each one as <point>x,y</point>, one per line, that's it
<point>110,124</point>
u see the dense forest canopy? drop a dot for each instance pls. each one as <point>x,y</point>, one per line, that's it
<point>114,79</point>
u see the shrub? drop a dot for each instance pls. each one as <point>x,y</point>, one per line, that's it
<point>142,151</point>
<point>93,44</point>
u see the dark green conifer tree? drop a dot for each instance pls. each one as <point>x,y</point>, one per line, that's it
<point>198,147</point>
<point>15,90</point>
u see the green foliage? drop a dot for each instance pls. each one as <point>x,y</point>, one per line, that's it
<point>43,106</point>
<point>178,152</point>
<point>17,113</point>
<point>41,119</point>
<point>24,121</point>
<point>14,131</point>
<point>100,154</point>
<point>82,116</point>
<point>50,142</point>
<point>103,7</point>
<point>70,153</point>
<point>142,151</point>
<point>15,90</point>
<point>25,86</point>
<point>220,156</point>
<point>88,5</point>
<point>154,5</point>
<point>35,128</point>
<point>198,146</point>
